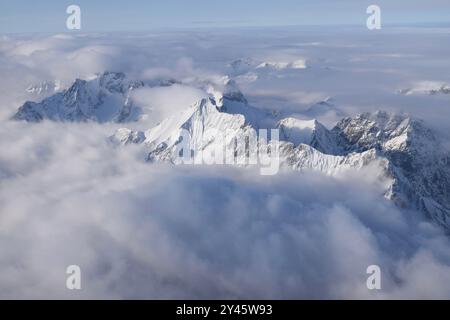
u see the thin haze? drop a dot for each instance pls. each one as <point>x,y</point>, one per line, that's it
<point>50,15</point>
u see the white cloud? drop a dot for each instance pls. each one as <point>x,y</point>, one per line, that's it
<point>160,103</point>
<point>154,231</point>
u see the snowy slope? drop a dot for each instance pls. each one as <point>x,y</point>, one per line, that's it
<point>417,162</point>
<point>403,149</point>
<point>104,98</point>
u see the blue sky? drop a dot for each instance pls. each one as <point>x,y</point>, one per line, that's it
<point>125,15</point>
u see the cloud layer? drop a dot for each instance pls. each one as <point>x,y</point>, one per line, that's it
<point>141,230</point>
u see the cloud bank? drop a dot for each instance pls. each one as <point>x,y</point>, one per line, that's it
<point>140,230</point>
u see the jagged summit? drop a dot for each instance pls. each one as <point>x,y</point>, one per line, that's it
<point>417,163</point>
<point>104,98</point>
<point>384,131</point>
<point>404,149</point>
<point>107,98</point>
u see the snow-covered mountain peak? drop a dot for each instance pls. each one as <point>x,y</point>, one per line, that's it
<point>106,97</point>
<point>407,151</point>
<point>112,81</point>
<point>197,119</point>
<point>417,162</point>
<point>426,88</point>
<point>400,146</point>
<point>374,130</point>
<point>393,134</point>
<point>117,82</point>
<point>78,92</point>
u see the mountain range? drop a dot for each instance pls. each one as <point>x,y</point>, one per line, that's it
<point>407,153</point>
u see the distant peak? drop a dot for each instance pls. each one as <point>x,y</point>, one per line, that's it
<point>300,123</point>
<point>383,118</point>
<point>112,75</point>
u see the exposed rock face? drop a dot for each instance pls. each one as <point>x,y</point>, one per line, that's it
<point>401,147</point>
<point>105,98</point>
<point>417,162</point>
